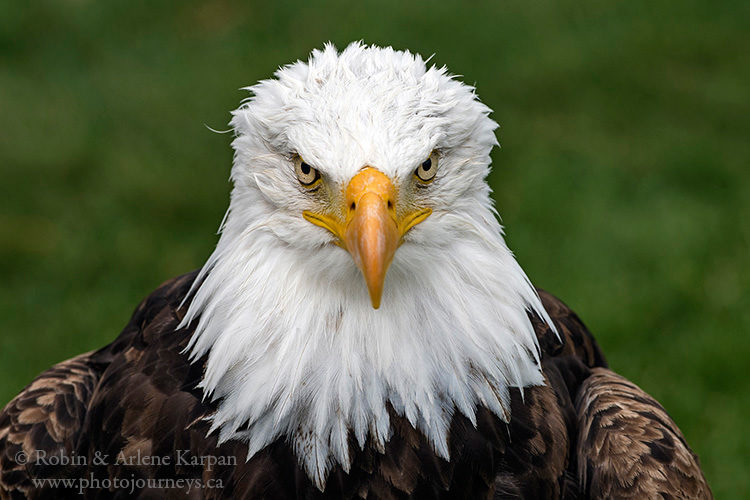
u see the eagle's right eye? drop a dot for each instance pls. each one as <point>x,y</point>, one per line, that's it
<point>427,170</point>
<point>306,175</point>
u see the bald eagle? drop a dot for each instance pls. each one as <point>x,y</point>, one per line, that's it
<point>361,330</point>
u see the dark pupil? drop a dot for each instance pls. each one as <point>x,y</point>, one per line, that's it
<point>427,164</point>
<point>305,168</point>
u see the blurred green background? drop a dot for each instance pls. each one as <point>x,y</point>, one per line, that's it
<point>622,180</point>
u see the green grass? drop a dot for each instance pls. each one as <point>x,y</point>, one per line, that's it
<point>623,179</point>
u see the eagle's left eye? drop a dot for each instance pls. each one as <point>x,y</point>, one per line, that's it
<point>427,170</point>
<point>307,175</point>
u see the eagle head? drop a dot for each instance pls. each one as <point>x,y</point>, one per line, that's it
<point>367,151</point>
<point>360,265</point>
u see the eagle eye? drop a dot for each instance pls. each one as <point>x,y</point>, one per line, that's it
<point>427,170</point>
<point>306,175</point>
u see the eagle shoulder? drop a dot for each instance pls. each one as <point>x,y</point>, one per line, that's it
<point>49,418</point>
<point>629,447</point>
<point>624,444</point>
<point>43,422</point>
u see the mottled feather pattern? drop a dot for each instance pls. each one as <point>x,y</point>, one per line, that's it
<point>138,396</point>
<point>628,445</point>
<point>45,419</point>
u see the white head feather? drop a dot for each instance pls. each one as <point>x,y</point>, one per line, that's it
<point>295,348</point>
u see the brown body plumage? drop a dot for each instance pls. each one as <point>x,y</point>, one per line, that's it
<point>588,433</point>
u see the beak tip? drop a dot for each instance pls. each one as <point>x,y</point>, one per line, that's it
<point>375,300</point>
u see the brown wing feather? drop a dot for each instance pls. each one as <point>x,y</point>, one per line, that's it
<point>44,421</point>
<point>626,445</point>
<point>629,447</point>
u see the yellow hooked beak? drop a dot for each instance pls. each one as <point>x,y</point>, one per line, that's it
<point>372,229</point>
